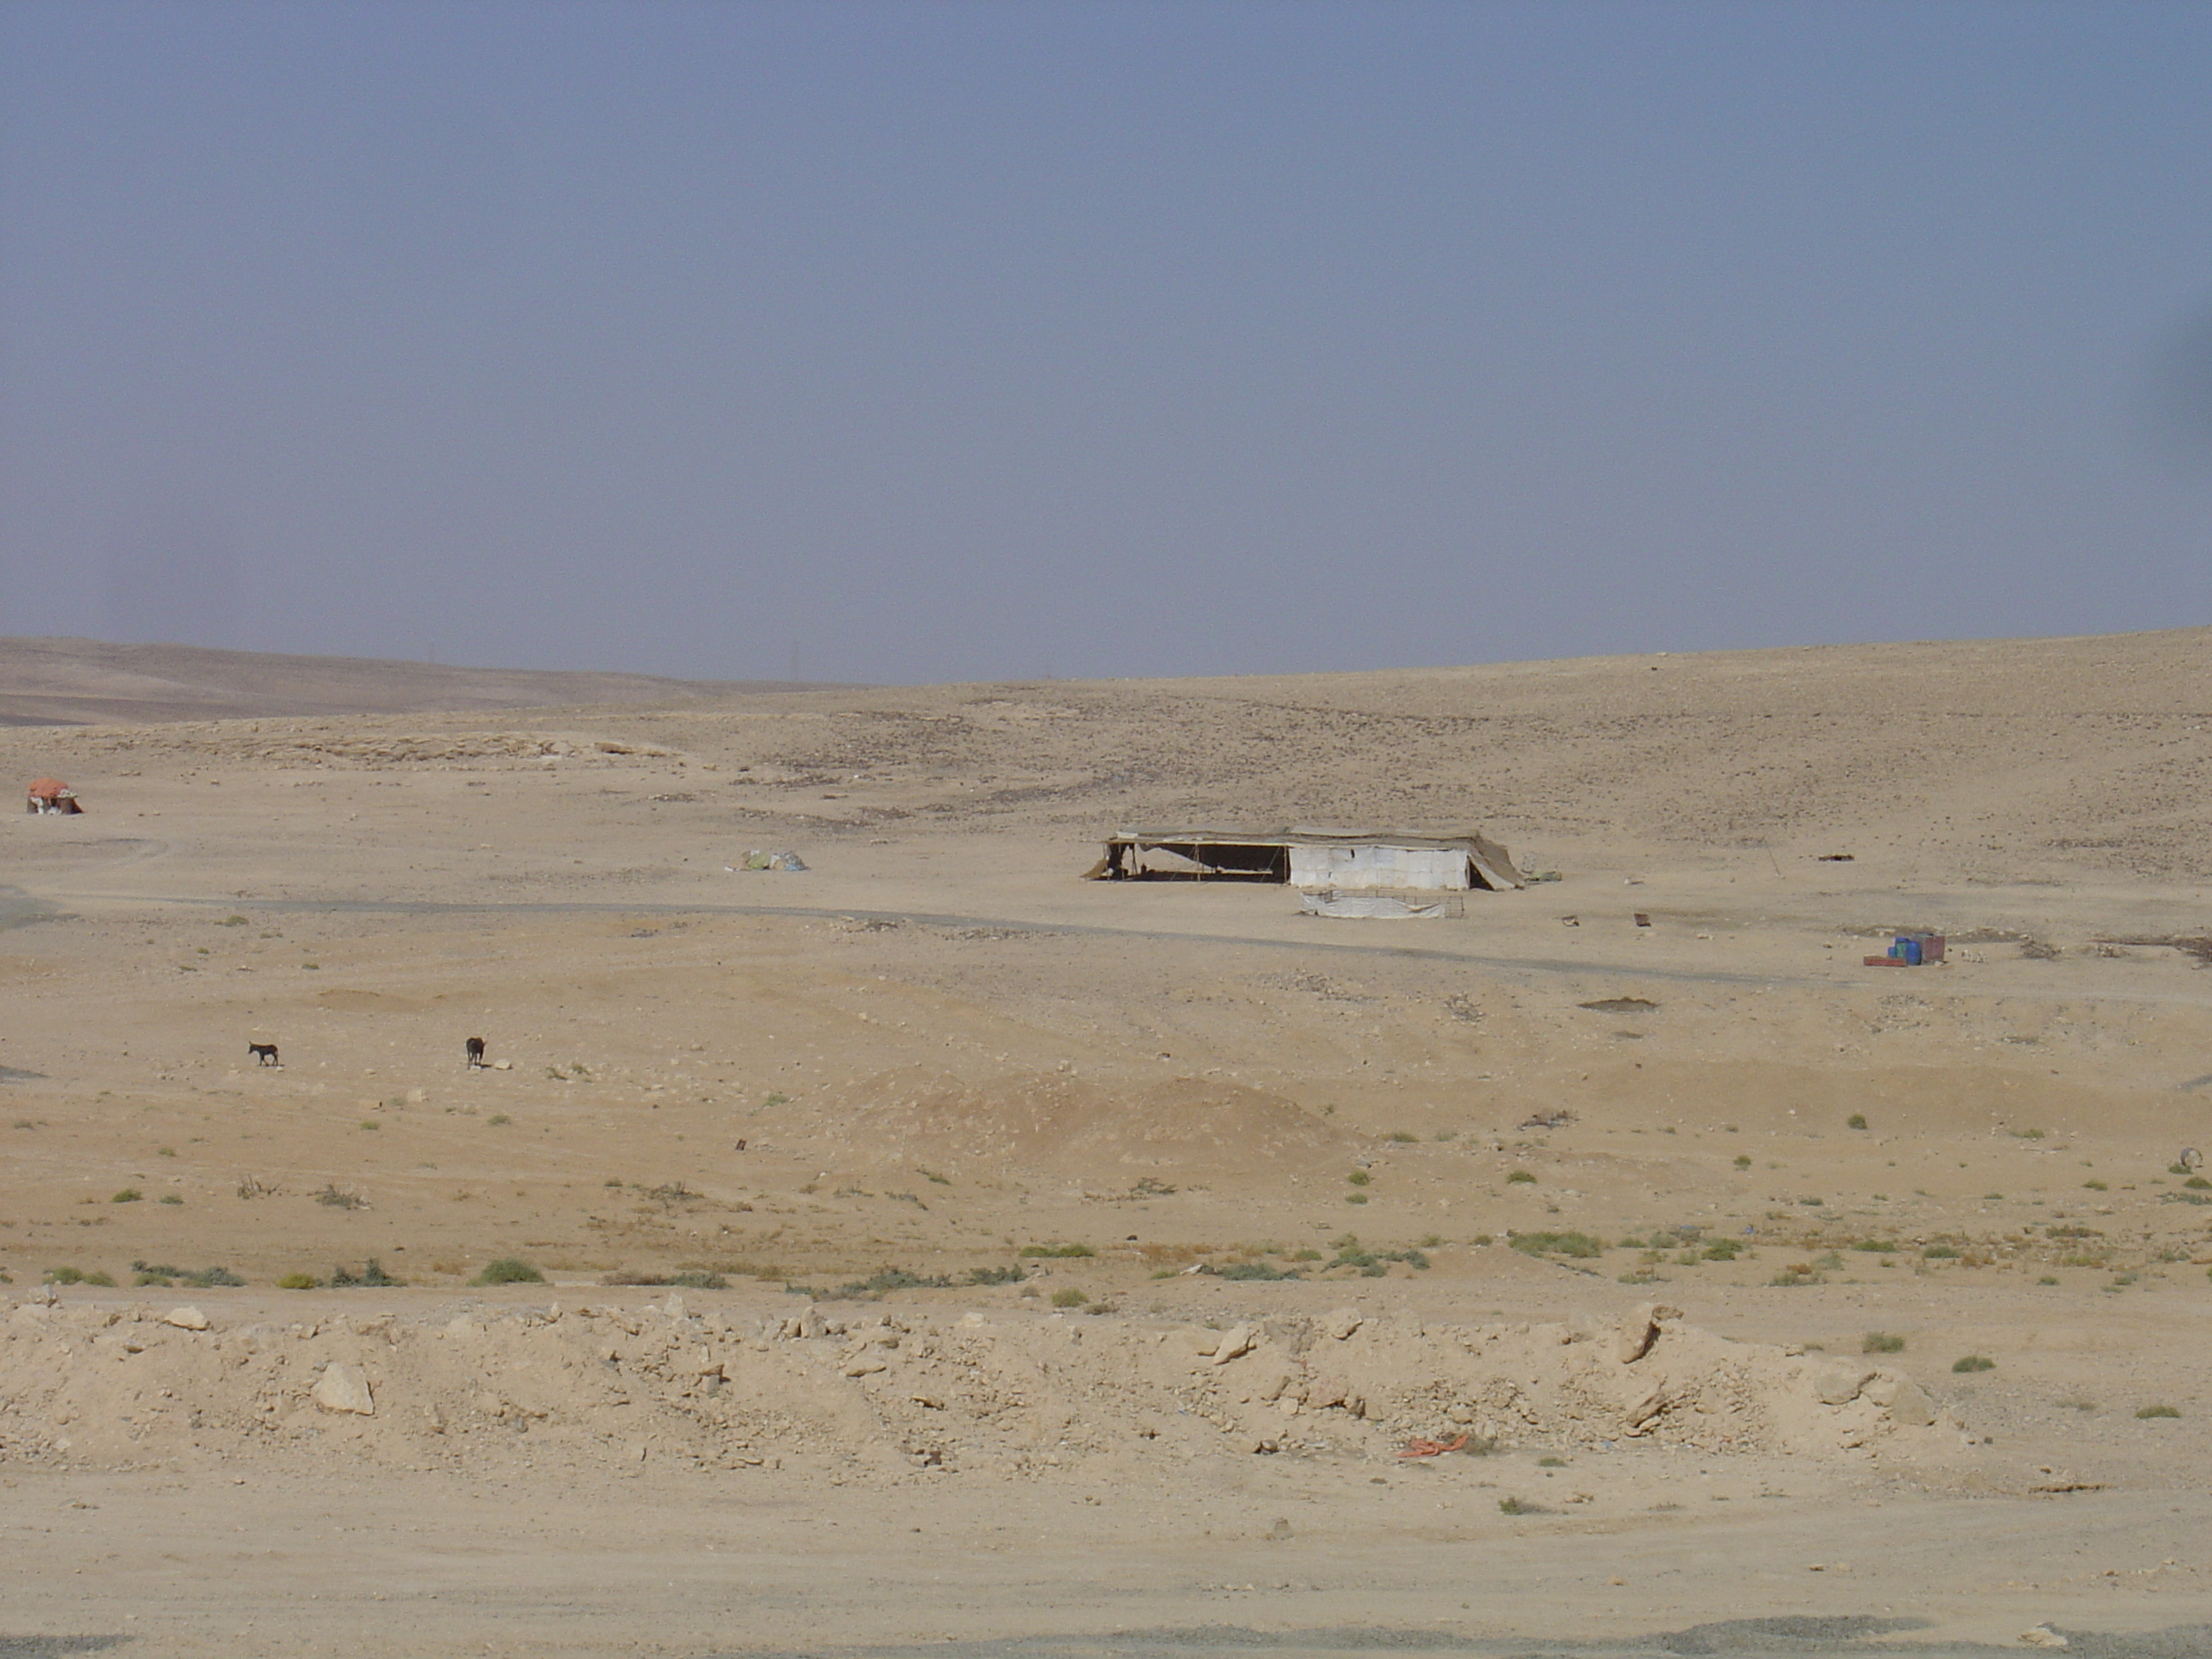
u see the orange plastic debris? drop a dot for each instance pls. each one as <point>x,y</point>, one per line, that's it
<point>1432,1448</point>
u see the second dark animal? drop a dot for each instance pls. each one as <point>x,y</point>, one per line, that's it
<point>476,1052</point>
<point>264,1053</point>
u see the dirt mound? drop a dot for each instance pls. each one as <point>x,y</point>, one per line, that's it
<point>1187,1127</point>
<point>887,1393</point>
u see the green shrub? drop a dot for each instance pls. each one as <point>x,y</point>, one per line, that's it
<point>1373,1264</point>
<point>893,1279</point>
<point>1069,1298</point>
<point>78,1276</point>
<point>160,1273</point>
<point>1359,1178</point>
<point>297,1282</point>
<point>508,1270</point>
<point>1882,1342</point>
<point>688,1279</point>
<point>172,1198</point>
<point>1722,1250</point>
<point>1034,1251</point>
<point>498,1118</point>
<point>1974,1361</point>
<point>1401,1137</point>
<point>2096,1186</point>
<point>128,1195</point>
<point>372,1276</point>
<point>997,1275</point>
<point>1877,1246</point>
<point>1939,1253</point>
<point>1856,1120</point>
<point>1258,1270</point>
<point>2198,1184</point>
<point>1743,1160</point>
<point>1579,1244</point>
<point>1521,1177</point>
<point>2148,1412</point>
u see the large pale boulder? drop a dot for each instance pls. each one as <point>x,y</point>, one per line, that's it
<point>1640,1330</point>
<point>1905,1401</point>
<point>1839,1384</point>
<point>341,1387</point>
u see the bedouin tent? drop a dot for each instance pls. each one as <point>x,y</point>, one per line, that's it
<point>1343,859</point>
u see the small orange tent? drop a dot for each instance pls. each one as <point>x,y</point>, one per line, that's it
<point>51,795</point>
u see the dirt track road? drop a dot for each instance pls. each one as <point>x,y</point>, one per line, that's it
<point>685,1566</point>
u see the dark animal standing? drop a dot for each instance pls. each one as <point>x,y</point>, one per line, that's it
<point>476,1054</point>
<point>264,1053</point>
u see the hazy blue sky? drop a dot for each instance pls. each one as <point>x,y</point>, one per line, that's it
<point>969,340</point>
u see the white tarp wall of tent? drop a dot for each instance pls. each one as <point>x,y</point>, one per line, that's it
<point>1354,868</point>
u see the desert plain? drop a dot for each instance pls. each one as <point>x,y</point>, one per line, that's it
<point>931,1250</point>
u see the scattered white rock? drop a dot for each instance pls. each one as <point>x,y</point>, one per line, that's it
<point>185,1319</point>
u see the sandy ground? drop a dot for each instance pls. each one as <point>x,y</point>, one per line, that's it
<point>72,682</point>
<point>973,1175</point>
